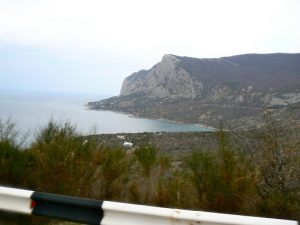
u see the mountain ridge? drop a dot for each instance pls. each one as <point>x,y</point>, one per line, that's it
<point>205,90</point>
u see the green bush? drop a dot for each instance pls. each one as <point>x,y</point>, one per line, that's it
<point>62,158</point>
<point>147,156</point>
<point>223,180</point>
<point>112,170</point>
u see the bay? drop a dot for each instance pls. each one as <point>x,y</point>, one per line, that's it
<point>32,110</point>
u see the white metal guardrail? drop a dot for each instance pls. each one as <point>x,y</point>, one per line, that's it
<point>113,213</point>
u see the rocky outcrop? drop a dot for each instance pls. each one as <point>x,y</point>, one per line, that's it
<point>165,80</point>
<point>235,89</point>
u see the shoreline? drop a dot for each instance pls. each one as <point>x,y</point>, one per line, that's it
<point>130,115</point>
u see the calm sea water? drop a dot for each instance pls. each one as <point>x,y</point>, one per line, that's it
<point>32,110</point>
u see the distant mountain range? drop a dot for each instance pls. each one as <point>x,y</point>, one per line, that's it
<point>236,90</point>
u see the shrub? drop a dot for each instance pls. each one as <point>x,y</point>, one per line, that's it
<point>278,158</point>
<point>62,160</point>
<point>222,179</point>
<point>112,170</point>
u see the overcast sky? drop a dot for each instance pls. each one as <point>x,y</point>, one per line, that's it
<point>92,45</point>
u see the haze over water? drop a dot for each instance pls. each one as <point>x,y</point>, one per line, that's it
<point>32,110</point>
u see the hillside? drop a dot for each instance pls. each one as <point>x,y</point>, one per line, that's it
<point>236,89</point>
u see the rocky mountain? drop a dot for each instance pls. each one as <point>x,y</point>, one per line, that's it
<point>235,90</point>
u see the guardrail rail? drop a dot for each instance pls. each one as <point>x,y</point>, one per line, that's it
<point>96,212</point>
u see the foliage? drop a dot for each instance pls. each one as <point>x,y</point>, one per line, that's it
<point>112,170</point>
<point>278,160</point>
<point>259,179</point>
<point>223,179</point>
<point>14,163</point>
<point>8,131</point>
<point>147,157</point>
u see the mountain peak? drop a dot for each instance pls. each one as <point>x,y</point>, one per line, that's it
<point>170,58</point>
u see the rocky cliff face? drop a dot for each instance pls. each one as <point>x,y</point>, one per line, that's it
<point>165,80</point>
<point>235,89</point>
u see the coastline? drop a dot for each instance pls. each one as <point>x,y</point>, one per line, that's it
<point>205,126</point>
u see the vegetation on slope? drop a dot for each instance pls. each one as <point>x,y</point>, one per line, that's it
<point>261,177</point>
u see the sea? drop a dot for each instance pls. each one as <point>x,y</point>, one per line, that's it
<point>31,111</point>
